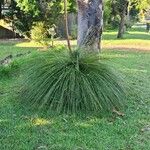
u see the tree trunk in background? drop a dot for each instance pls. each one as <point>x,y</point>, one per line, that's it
<point>0,10</point>
<point>90,22</point>
<point>148,27</point>
<point>121,26</point>
<point>123,15</point>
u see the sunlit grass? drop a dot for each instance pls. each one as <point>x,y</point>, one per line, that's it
<point>28,44</point>
<point>36,44</point>
<point>132,39</point>
<point>40,121</point>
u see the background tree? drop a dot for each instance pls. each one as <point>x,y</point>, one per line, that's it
<point>122,7</point>
<point>20,21</point>
<point>1,5</point>
<point>1,2</point>
<point>144,7</point>
<point>147,17</point>
<point>23,14</point>
<point>90,22</point>
<point>125,9</point>
<point>107,13</point>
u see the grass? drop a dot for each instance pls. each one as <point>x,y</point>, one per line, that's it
<point>23,129</point>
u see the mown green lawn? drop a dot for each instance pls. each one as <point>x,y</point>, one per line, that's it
<point>24,129</point>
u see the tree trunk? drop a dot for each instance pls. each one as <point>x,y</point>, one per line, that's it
<point>148,27</point>
<point>66,25</point>
<point>0,10</point>
<point>123,16</point>
<point>121,26</point>
<point>90,22</point>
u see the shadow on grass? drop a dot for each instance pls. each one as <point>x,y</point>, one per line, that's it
<point>127,36</point>
<point>135,33</point>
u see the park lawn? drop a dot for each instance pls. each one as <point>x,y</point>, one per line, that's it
<point>24,129</point>
<point>135,39</point>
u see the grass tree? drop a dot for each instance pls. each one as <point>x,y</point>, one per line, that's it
<point>77,81</point>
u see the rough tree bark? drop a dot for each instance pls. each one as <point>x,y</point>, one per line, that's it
<point>90,22</point>
<point>123,15</point>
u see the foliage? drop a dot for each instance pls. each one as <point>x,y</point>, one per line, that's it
<point>112,13</point>
<point>79,83</point>
<point>21,22</point>
<point>141,4</point>
<point>72,8</point>
<point>134,11</point>
<point>107,11</point>
<point>46,11</point>
<point>22,14</point>
<point>113,10</point>
<point>73,33</point>
<point>139,7</point>
<point>1,3</point>
<point>38,32</point>
<point>29,6</point>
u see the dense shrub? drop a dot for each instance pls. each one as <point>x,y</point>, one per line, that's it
<point>71,84</point>
<point>39,32</point>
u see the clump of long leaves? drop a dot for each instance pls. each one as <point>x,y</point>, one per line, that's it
<point>72,84</point>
